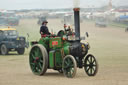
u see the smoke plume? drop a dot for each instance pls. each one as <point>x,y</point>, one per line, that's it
<point>76,3</point>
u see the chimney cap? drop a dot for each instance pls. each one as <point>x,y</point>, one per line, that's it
<point>76,9</point>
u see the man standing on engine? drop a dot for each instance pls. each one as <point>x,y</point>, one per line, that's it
<point>44,29</point>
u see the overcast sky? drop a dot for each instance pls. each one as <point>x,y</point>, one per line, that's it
<point>48,4</point>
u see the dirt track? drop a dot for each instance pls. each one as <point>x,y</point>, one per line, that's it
<point>109,45</point>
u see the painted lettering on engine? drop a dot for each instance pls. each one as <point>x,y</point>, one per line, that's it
<point>54,42</point>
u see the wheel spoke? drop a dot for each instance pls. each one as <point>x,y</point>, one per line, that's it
<point>70,63</point>
<point>33,64</point>
<point>72,70</point>
<point>87,70</point>
<point>41,61</point>
<point>72,66</point>
<point>91,71</point>
<point>94,65</point>
<point>66,62</point>
<point>70,74</point>
<point>37,50</point>
<point>88,60</point>
<point>34,69</point>
<point>33,56</point>
<point>40,66</point>
<point>87,65</point>
<point>36,54</point>
<point>37,69</point>
<point>65,67</point>
<point>91,59</point>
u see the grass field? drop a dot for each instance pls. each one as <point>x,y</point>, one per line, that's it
<point>109,45</point>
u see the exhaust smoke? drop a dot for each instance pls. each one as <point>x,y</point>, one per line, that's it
<point>76,3</point>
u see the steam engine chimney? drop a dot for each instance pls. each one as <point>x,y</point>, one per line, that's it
<point>77,23</point>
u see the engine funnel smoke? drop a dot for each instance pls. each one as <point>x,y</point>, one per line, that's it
<point>76,3</point>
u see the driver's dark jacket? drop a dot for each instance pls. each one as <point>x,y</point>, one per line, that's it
<point>45,30</point>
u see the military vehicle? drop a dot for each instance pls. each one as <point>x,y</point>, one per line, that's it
<point>11,41</point>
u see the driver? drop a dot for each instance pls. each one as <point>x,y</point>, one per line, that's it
<point>44,29</point>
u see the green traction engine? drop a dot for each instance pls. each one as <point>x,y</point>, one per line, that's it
<point>62,53</point>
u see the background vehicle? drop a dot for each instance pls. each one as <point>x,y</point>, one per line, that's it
<point>41,19</point>
<point>9,19</point>
<point>67,19</point>
<point>101,22</point>
<point>11,41</point>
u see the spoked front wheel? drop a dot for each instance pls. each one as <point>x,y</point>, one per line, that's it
<point>69,66</point>
<point>38,59</point>
<point>90,65</point>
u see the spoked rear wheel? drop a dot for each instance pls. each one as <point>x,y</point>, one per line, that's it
<point>38,59</point>
<point>90,65</point>
<point>69,66</point>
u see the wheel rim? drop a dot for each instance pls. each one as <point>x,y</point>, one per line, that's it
<point>69,66</point>
<point>36,60</point>
<point>90,65</point>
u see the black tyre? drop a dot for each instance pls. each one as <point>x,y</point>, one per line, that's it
<point>4,49</point>
<point>21,51</point>
<point>38,59</point>
<point>90,65</point>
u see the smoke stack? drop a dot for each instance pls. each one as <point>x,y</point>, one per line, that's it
<point>77,23</point>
